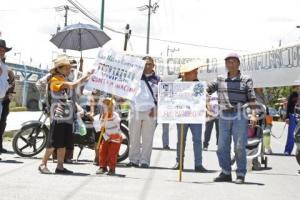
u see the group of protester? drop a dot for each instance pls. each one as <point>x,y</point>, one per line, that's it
<point>232,90</point>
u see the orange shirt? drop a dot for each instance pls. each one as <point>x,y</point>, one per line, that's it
<point>56,83</point>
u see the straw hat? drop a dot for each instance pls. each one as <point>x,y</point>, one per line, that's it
<point>190,66</point>
<point>108,101</point>
<point>60,61</point>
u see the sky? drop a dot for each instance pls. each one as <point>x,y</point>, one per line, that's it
<point>242,26</point>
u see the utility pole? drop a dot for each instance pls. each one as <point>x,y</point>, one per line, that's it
<point>151,9</point>
<point>127,36</point>
<point>66,8</point>
<point>66,19</point>
<point>148,29</point>
<point>66,14</point>
<point>102,15</point>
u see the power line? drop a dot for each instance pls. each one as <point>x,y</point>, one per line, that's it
<point>84,11</point>
<point>191,44</point>
<point>13,10</point>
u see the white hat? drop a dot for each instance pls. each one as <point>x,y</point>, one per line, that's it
<point>233,55</point>
<point>190,66</point>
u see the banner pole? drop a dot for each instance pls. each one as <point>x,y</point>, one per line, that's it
<point>181,152</point>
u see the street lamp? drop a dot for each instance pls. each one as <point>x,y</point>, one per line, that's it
<point>172,50</point>
<point>18,53</point>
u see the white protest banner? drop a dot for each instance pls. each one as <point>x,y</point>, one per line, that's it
<point>274,68</point>
<point>117,74</point>
<point>182,102</point>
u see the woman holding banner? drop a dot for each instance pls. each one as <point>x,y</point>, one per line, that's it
<point>143,117</point>
<point>189,73</point>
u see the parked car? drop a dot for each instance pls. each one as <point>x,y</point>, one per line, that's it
<point>274,113</point>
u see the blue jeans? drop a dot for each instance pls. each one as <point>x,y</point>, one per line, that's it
<point>208,129</point>
<point>290,137</point>
<point>233,124</point>
<point>196,130</point>
<point>165,135</point>
<point>1,107</point>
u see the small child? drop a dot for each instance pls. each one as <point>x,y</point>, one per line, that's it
<point>112,138</point>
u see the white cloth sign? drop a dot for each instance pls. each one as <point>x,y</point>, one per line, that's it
<point>117,74</point>
<point>213,107</point>
<point>275,68</point>
<point>182,102</point>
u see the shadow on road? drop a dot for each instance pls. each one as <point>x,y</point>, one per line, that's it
<point>29,158</point>
<point>123,165</point>
<point>211,182</point>
<point>9,152</point>
<point>192,182</point>
<point>193,171</point>
<point>262,169</point>
<point>74,174</point>
<point>252,183</point>
<point>281,154</point>
<point>11,161</point>
<point>161,149</point>
<point>275,174</point>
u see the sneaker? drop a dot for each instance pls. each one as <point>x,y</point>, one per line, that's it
<point>101,170</point>
<point>205,148</point>
<point>166,147</point>
<point>111,172</point>
<point>63,171</point>
<point>268,151</point>
<point>176,166</point>
<point>131,164</point>
<point>144,165</point>
<point>256,164</point>
<point>200,169</point>
<point>223,178</point>
<point>240,180</point>
<point>44,170</point>
<point>2,150</point>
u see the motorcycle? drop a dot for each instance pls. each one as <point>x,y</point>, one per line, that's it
<point>297,134</point>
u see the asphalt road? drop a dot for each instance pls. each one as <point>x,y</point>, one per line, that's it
<point>20,179</point>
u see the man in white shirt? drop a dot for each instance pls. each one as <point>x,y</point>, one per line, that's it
<point>142,122</point>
